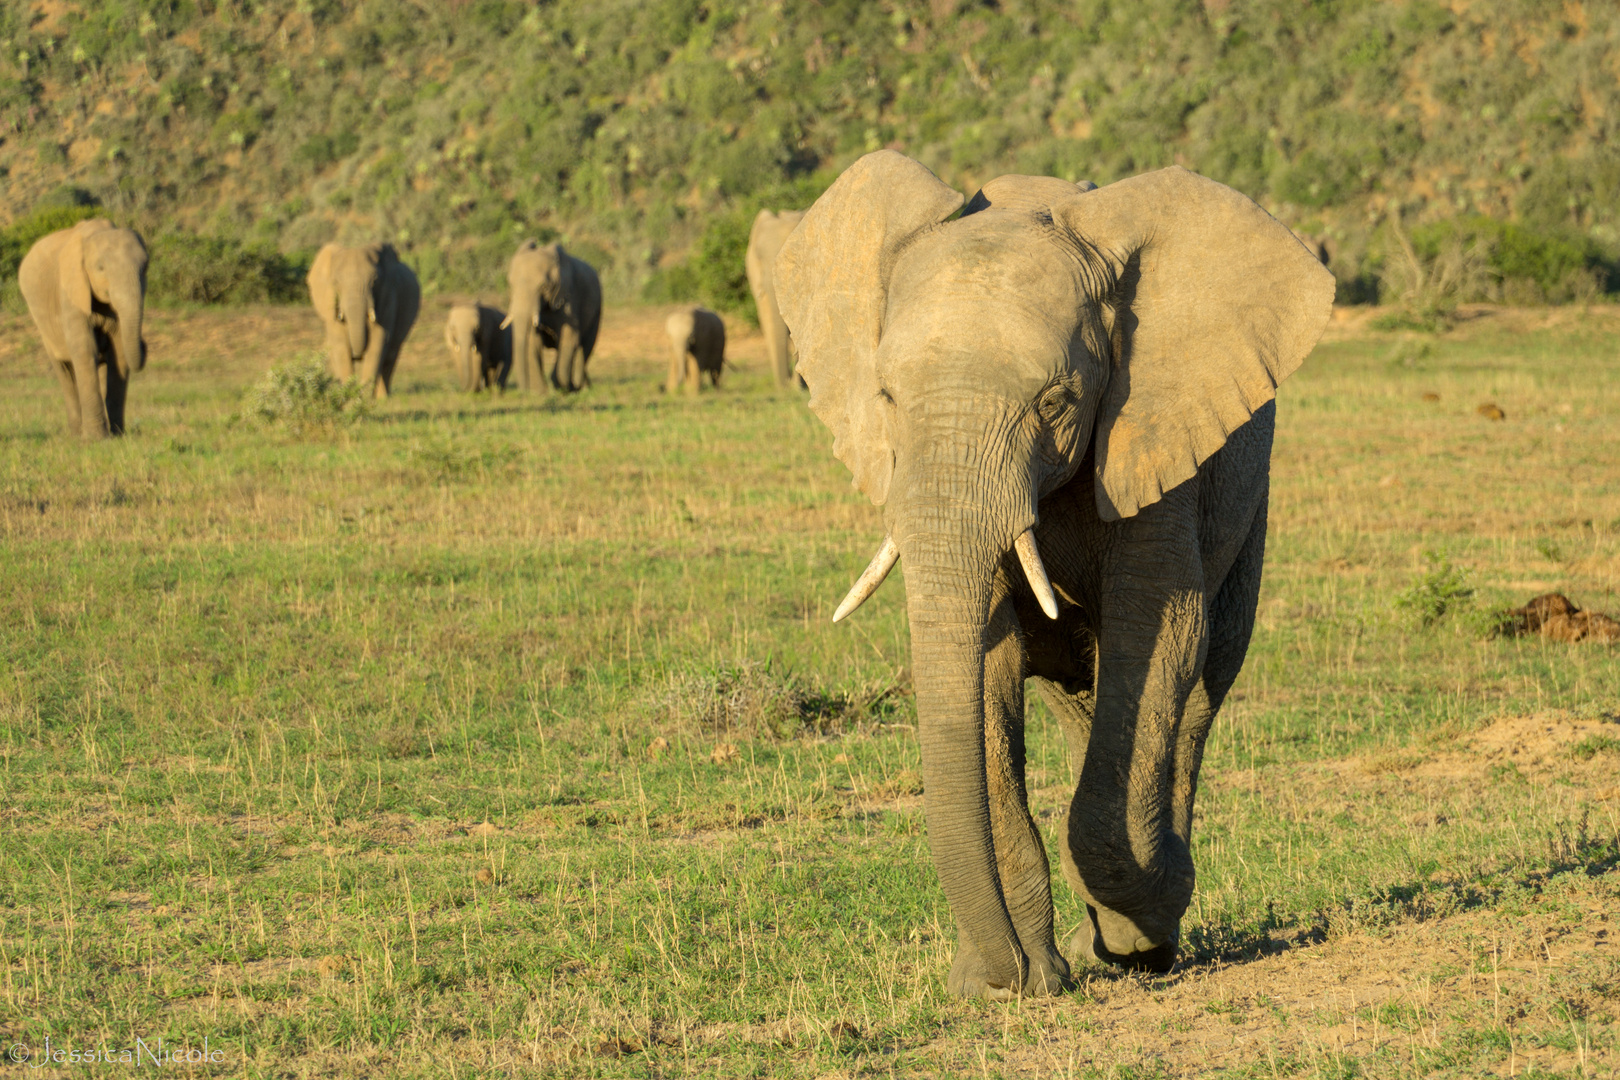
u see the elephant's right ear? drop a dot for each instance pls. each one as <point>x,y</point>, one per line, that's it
<point>73,276</point>
<point>832,285</point>
<point>321,292</point>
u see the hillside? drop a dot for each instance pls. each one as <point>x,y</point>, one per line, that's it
<point>1483,129</point>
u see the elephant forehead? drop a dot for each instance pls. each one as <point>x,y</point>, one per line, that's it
<point>999,291</point>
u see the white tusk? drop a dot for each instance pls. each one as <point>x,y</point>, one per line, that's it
<point>1035,571</point>
<point>506,322</point>
<point>870,578</point>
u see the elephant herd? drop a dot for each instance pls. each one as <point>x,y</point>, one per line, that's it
<point>1060,398</point>
<point>85,287</point>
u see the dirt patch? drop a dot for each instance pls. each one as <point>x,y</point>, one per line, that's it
<point>1581,750</point>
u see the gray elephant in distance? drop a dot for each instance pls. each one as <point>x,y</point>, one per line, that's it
<point>1062,401</point>
<point>481,344</point>
<point>557,305</point>
<point>765,240</point>
<point>697,345</point>
<point>86,290</point>
<point>368,301</point>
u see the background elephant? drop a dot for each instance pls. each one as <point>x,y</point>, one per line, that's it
<point>368,300</point>
<point>697,344</point>
<point>765,239</point>
<point>86,289</point>
<point>556,304</point>
<point>1062,401</point>
<point>482,345</point>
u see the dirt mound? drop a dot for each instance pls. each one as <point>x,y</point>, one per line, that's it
<point>1555,616</point>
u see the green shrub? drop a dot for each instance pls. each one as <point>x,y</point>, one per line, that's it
<point>17,238</point>
<point>302,397</point>
<point>1442,590</point>
<point>186,268</point>
<point>1523,263</point>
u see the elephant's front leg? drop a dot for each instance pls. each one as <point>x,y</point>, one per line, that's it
<point>117,390</point>
<point>1129,863</point>
<point>1026,880</point>
<point>371,365</point>
<point>563,374</point>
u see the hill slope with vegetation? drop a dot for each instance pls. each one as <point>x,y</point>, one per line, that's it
<point>1461,151</point>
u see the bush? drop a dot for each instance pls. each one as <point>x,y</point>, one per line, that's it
<point>186,268</point>
<point>1440,591</point>
<point>17,238</point>
<point>304,397</point>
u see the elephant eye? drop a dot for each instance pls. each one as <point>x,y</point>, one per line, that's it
<point>1055,402</point>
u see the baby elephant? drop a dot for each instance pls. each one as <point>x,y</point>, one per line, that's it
<point>697,341</point>
<point>483,350</point>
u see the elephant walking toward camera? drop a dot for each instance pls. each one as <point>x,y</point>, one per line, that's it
<point>1063,403</point>
<point>697,345</point>
<point>765,240</point>
<point>86,289</point>
<point>481,345</point>
<point>368,300</point>
<point>556,304</point>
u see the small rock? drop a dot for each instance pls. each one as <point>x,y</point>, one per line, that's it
<point>1431,396</point>
<point>724,753</point>
<point>657,746</point>
<point>330,965</point>
<point>1491,411</point>
<point>484,829</point>
<point>616,1048</point>
<point>841,759</point>
<point>485,876</point>
<point>843,1029</point>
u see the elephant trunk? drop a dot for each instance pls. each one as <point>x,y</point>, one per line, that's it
<point>356,310</point>
<point>127,300</point>
<point>954,523</point>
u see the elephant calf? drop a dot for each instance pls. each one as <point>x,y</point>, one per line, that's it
<point>86,289</point>
<point>368,300</point>
<point>481,346</point>
<point>697,344</point>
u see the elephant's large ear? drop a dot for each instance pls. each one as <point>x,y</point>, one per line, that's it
<point>72,275</point>
<point>1216,302</point>
<point>832,283</point>
<point>321,292</point>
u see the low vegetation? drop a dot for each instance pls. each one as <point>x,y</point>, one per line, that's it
<point>510,735</point>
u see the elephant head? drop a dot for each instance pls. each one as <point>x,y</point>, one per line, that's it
<point>343,287</point>
<point>541,278</point>
<point>103,268</point>
<point>968,368</point>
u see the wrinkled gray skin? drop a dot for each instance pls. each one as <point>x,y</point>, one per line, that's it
<point>765,239</point>
<point>697,344</point>
<point>1097,366</point>
<point>368,300</point>
<point>556,305</point>
<point>481,346</point>
<point>86,289</point>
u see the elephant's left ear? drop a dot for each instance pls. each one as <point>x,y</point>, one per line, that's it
<point>832,286</point>
<point>1215,301</point>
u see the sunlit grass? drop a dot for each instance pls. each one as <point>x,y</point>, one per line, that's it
<point>343,750</point>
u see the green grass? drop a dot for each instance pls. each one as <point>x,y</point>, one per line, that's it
<point>342,750</point>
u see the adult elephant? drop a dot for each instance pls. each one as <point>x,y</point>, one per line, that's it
<point>556,304</point>
<point>86,289</point>
<point>697,345</point>
<point>481,344</point>
<point>368,300</point>
<point>765,239</point>
<point>1062,401</point>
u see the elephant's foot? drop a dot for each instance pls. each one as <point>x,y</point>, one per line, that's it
<point>971,977</point>
<point>1131,948</point>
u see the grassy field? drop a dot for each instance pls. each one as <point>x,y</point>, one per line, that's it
<point>511,735</point>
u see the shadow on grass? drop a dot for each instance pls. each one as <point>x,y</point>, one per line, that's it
<point>1570,850</point>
